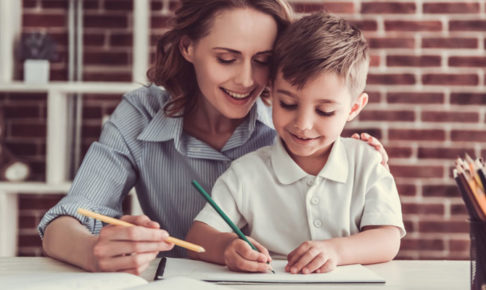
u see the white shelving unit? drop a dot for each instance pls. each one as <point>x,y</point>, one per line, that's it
<point>57,118</point>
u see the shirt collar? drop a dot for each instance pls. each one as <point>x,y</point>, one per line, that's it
<point>287,171</point>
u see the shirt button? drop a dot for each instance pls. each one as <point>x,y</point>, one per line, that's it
<point>310,182</point>
<point>317,223</point>
<point>315,200</point>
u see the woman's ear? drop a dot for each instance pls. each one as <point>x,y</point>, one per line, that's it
<point>186,47</point>
<point>357,106</point>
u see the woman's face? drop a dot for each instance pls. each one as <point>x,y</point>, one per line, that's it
<point>232,61</point>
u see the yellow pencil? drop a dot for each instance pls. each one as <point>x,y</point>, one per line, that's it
<point>113,221</point>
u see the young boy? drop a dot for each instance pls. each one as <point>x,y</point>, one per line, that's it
<point>317,198</point>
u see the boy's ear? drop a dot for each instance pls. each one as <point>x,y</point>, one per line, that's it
<point>186,47</point>
<point>357,106</point>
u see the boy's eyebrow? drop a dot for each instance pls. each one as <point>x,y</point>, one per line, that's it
<point>290,94</point>
<point>239,52</point>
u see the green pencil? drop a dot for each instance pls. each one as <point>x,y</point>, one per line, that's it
<point>223,215</point>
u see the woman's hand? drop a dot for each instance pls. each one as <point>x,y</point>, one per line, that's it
<point>372,141</point>
<point>239,256</point>
<point>312,256</point>
<point>129,249</point>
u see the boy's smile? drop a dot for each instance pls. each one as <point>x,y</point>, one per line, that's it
<point>310,119</point>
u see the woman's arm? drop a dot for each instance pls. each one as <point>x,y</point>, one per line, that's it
<point>115,249</point>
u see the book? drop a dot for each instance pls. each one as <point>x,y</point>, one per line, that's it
<point>95,281</point>
<point>217,273</point>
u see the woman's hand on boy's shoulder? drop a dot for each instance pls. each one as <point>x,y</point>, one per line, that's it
<point>372,141</point>
<point>129,249</point>
<point>312,257</point>
<point>240,257</point>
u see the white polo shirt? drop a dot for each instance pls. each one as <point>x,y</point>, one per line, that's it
<point>284,206</point>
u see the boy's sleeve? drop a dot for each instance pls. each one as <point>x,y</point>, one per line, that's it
<point>227,194</point>
<point>382,202</point>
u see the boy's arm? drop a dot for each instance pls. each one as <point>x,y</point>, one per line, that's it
<point>375,244</point>
<point>227,249</point>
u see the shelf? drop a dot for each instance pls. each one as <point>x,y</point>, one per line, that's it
<point>71,87</point>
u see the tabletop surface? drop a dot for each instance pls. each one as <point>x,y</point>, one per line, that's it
<point>399,274</point>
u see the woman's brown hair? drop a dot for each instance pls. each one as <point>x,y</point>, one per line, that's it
<point>193,19</point>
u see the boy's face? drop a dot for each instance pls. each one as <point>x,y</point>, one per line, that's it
<point>309,120</point>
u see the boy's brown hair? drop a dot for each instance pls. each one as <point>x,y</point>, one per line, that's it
<point>320,43</point>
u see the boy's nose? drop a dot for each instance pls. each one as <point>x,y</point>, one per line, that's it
<point>244,78</point>
<point>304,121</point>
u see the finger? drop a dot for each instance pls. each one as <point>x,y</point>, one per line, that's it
<point>262,250</point>
<point>295,255</point>
<point>140,220</point>
<point>315,264</point>
<point>126,263</point>
<point>304,260</point>
<point>365,136</point>
<point>244,250</point>
<point>116,248</point>
<point>329,266</point>
<point>135,233</point>
<point>355,136</point>
<point>243,264</point>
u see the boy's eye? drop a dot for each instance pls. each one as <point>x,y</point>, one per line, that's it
<point>324,114</point>
<point>288,106</point>
<point>225,60</point>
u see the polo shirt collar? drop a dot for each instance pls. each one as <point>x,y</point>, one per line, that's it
<point>287,171</point>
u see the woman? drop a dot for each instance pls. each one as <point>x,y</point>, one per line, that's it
<point>214,66</point>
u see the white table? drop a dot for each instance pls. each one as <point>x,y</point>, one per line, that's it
<point>403,275</point>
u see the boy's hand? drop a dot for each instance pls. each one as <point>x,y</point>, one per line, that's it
<point>312,256</point>
<point>239,256</point>
<point>372,141</point>
<point>129,249</point>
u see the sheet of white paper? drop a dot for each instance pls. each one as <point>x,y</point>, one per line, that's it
<point>181,283</point>
<point>216,273</point>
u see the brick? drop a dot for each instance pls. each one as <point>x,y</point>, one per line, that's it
<point>375,60</point>
<point>468,99</point>
<point>422,244</point>
<point>28,129</point>
<point>121,39</point>
<point>332,7</point>
<point>29,3</point>
<point>413,25</point>
<point>415,98</point>
<point>458,209</point>
<point>450,42</point>
<point>38,202</point>
<point>389,42</point>
<point>107,77</point>
<point>467,25</point>
<point>108,58</point>
<point>22,149</point>
<point>410,226</point>
<point>50,20</point>
<point>29,241</point>
<point>423,208</point>
<point>105,21</point>
<point>468,135</point>
<point>450,117</point>
<point>28,96</point>
<point>440,190</point>
<point>156,5</point>
<point>91,130</point>
<point>91,4</point>
<point>451,8</point>
<point>451,79</point>
<point>91,112</point>
<point>406,189</point>
<point>55,4</point>
<point>15,111</point>
<point>93,39</point>
<point>123,5</point>
<point>398,152</point>
<point>417,134</point>
<point>388,8</point>
<point>416,171</point>
<point>26,222</point>
<point>443,227</point>
<point>391,79</point>
<point>365,25</point>
<point>159,21</point>
<point>374,97</point>
<point>467,61</point>
<point>415,61</point>
<point>378,115</point>
<point>375,132</point>
<point>459,245</point>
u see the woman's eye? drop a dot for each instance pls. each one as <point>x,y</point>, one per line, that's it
<point>325,114</point>
<point>265,61</point>
<point>288,106</point>
<point>224,60</point>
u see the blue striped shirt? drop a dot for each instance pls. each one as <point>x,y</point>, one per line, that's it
<point>143,148</point>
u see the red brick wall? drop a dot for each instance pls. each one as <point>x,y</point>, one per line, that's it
<point>427,100</point>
